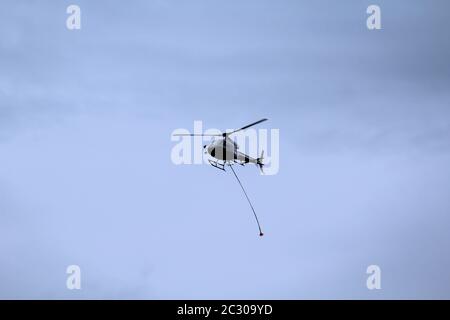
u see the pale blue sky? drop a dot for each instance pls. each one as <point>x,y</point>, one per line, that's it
<point>85,170</point>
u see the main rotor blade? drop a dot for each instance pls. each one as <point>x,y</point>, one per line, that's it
<point>195,134</point>
<point>246,127</point>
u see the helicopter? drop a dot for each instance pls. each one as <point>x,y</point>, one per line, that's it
<point>225,152</point>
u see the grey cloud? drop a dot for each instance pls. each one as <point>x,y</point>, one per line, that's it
<point>85,171</point>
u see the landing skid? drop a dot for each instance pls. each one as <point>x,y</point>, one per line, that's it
<point>217,164</point>
<point>221,165</point>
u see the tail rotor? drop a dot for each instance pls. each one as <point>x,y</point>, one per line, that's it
<point>260,162</point>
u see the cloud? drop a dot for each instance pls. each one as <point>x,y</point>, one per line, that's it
<point>85,171</point>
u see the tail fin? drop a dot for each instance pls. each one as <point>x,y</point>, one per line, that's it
<point>259,162</point>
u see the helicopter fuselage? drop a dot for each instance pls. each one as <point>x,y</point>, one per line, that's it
<point>225,149</point>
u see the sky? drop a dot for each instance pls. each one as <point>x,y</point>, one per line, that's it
<point>86,176</point>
